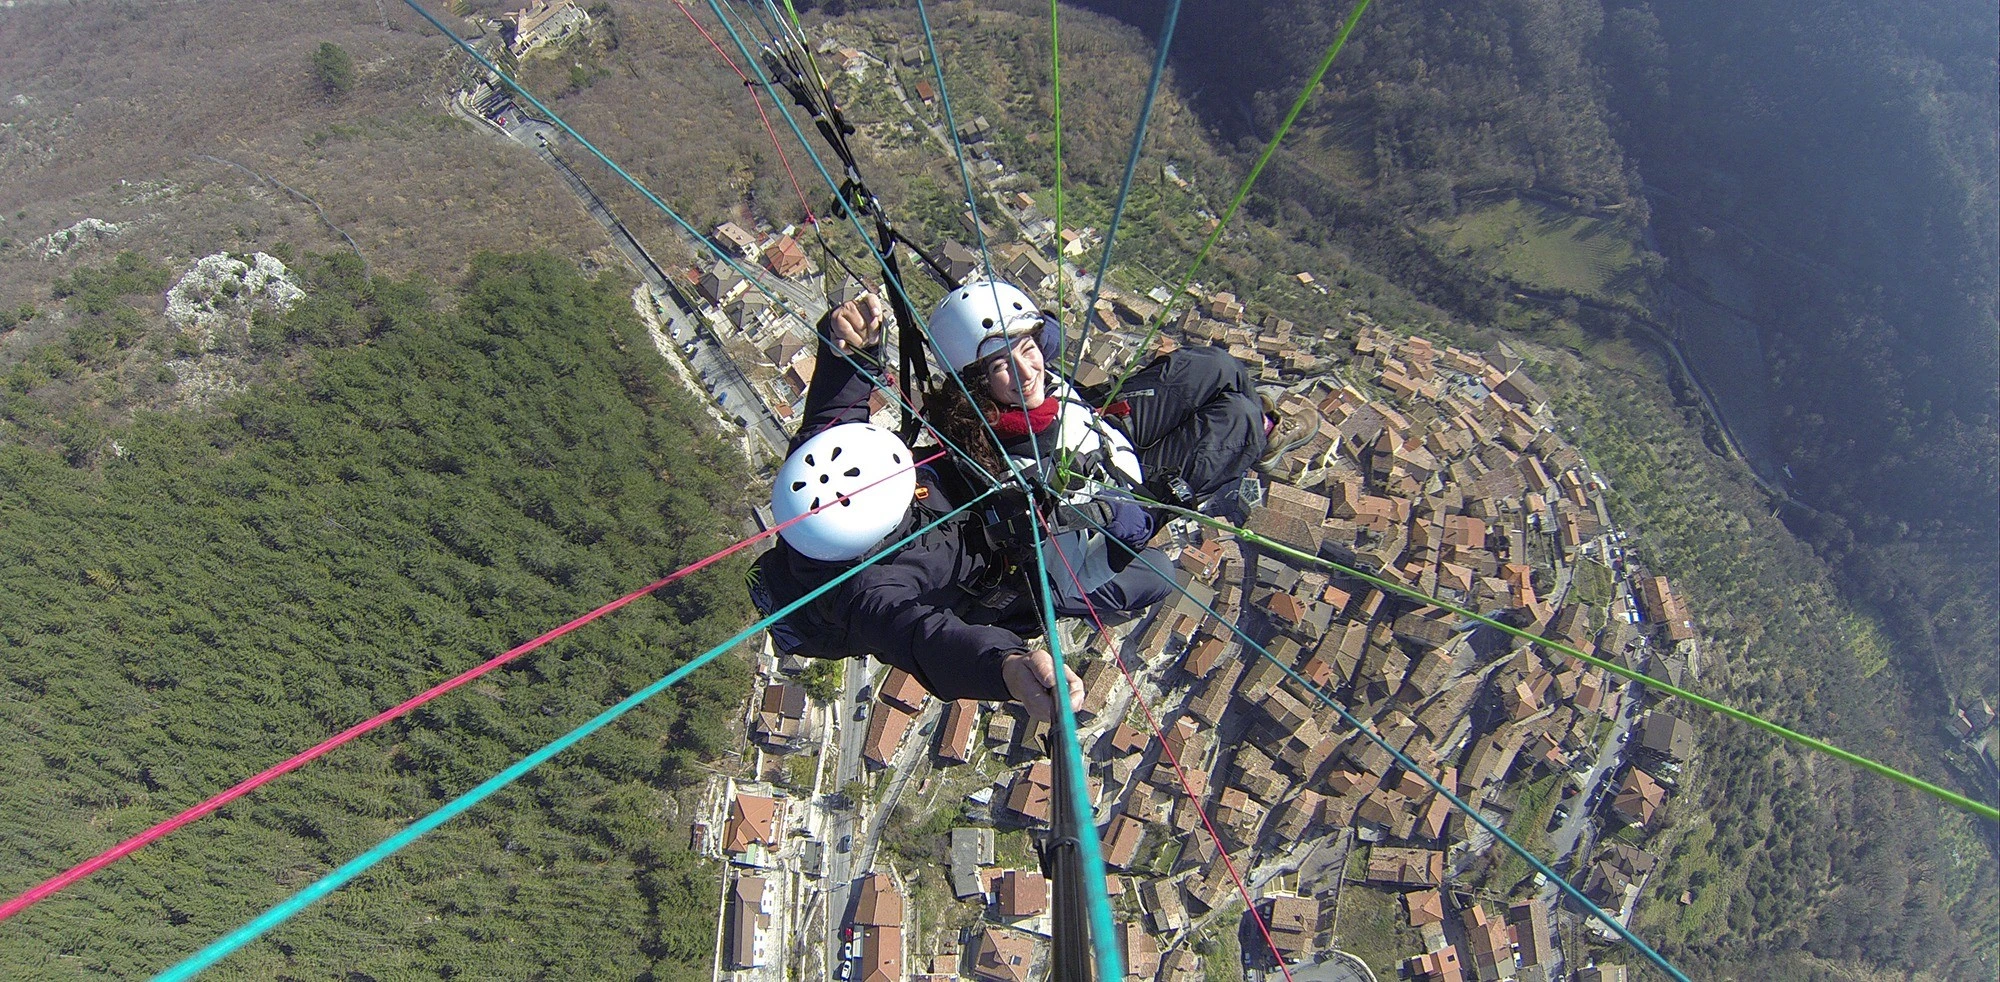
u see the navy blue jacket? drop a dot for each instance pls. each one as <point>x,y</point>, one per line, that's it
<point>910,609</point>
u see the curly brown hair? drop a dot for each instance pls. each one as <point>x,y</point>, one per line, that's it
<point>963,422</point>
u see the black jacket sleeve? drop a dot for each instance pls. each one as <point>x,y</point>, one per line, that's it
<point>949,657</point>
<point>837,394</point>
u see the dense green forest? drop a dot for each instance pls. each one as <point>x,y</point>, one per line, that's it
<point>415,481</point>
<point>189,597</point>
<point>1850,169</point>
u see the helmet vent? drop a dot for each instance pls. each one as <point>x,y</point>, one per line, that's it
<point>836,455</point>
<point>987,323</point>
<point>815,504</point>
<point>851,472</point>
<point>846,502</point>
<point>798,485</point>
<point>823,478</point>
<point>1017,305</point>
<point>810,462</point>
<point>898,458</point>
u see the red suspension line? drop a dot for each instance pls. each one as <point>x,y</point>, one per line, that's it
<point>759,103</point>
<point>247,785</point>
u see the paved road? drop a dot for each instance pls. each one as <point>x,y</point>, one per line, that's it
<point>908,762</point>
<point>841,823</point>
<point>1576,836</point>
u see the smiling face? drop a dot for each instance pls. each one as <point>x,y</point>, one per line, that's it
<point>1018,377</point>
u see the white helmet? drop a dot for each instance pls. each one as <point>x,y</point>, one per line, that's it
<point>868,465</point>
<point>980,319</point>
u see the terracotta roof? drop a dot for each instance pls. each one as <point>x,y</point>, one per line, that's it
<point>1142,952</point>
<point>1530,921</point>
<point>1487,942</point>
<point>1023,893</point>
<point>1437,966</point>
<point>1126,739</point>
<point>1003,956</point>
<point>882,953</point>
<point>1424,907</point>
<point>752,819</point>
<point>785,699</point>
<point>1638,797</point>
<point>1031,792</point>
<point>904,690</point>
<point>880,903</point>
<point>1293,921</point>
<point>886,726</point>
<point>1406,867</point>
<point>1121,840</point>
<point>955,736</point>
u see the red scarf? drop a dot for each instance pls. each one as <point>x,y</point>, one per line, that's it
<point>1013,424</point>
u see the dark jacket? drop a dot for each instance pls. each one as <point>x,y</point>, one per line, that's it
<point>914,610</point>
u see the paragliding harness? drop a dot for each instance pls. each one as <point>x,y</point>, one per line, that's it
<point>1007,524</point>
<point>855,200</point>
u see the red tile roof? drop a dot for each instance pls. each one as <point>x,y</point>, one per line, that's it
<point>886,727</point>
<point>880,903</point>
<point>1023,893</point>
<point>752,819</point>
<point>903,689</point>
<point>955,736</point>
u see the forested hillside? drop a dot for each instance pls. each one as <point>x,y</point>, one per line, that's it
<point>416,479</point>
<point>1841,158</point>
<point>186,599</point>
<point>1846,157</point>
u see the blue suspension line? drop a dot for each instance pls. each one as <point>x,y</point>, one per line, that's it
<point>599,154</point>
<point>951,126</point>
<point>1131,166</point>
<point>894,283</point>
<point>1410,765</point>
<point>1109,960</point>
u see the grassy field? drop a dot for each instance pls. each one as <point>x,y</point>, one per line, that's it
<point>1529,827</point>
<point>1545,246</point>
<point>1694,868</point>
<point>1593,584</point>
<point>1373,929</point>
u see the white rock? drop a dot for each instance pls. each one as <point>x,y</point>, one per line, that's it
<point>220,291</point>
<point>82,233</point>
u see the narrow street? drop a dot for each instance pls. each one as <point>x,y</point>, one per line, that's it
<point>846,736</point>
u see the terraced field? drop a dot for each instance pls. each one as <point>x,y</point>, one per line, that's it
<point>1544,246</point>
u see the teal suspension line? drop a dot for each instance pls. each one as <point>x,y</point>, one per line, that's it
<point>1131,167</point>
<point>355,867</point>
<point>1298,105</point>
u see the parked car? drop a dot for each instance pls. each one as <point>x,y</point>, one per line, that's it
<point>842,969</point>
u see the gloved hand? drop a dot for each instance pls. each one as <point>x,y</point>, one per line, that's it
<point>1130,524</point>
<point>1123,520</point>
